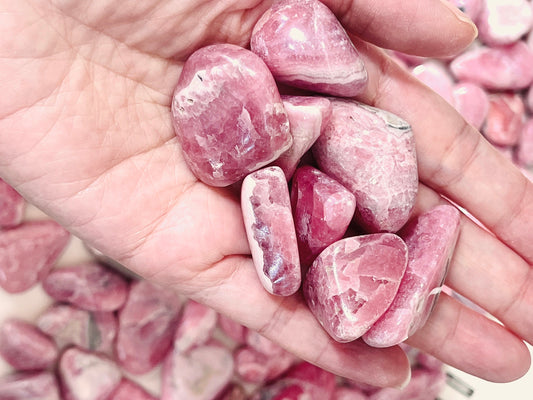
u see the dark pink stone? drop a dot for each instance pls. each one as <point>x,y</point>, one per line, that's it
<point>472,102</point>
<point>304,45</point>
<point>89,286</point>
<point>472,8</point>
<point>372,153</point>
<point>435,75</point>
<point>524,152</point>
<point>129,390</point>
<point>146,326</point>
<point>87,376</point>
<point>270,228</point>
<point>29,385</point>
<point>322,209</point>
<point>307,117</point>
<point>505,119</point>
<point>195,327</point>
<point>24,347</point>
<point>11,206</point>
<point>353,281</point>
<point>228,115</point>
<point>232,329</point>
<point>430,240</point>
<point>233,391</point>
<point>28,251</point>
<point>504,22</point>
<point>349,393</point>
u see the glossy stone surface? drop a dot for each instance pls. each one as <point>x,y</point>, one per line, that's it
<point>372,153</point>
<point>502,22</point>
<point>270,229</point>
<point>524,152</point>
<point>89,286</point>
<point>28,251</point>
<point>304,45</point>
<point>322,210</point>
<point>435,75</point>
<point>472,102</point>
<point>195,327</point>
<point>430,240</point>
<point>353,281</point>
<point>11,206</point>
<point>129,390</point>
<point>228,114</point>
<point>505,119</point>
<point>29,385</point>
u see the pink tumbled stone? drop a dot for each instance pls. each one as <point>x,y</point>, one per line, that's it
<point>322,209</point>
<point>29,385</point>
<point>372,153</point>
<point>524,151</point>
<point>504,21</point>
<point>87,376</point>
<point>307,117</point>
<point>232,329</point>
<point>353,281</point>
<point>424,385</point>
<point>305,46</point>
<point>435,75</point>
<point>24,347</point>
<point>349,393</point>
<point>270,228</point>
<point>195,327</point>
<point>129,390</point>
<point>499,68</point>
<point>505,119</point>
<point>472,102</point>
<point>472,8</point>
<point>257,367</point>
<point>228,114</point>
<point>89,286</point>
<point>11,206</point>
<point>430,240</point>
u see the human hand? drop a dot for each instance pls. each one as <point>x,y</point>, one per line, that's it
<point>85,134</point>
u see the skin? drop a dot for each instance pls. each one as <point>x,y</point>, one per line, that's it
<point>86,135</point>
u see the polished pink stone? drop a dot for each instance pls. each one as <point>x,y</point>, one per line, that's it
<point>254,366</point>
<point>430,240</point>
<point>498,68</point>
<point>424,385</point>
<point>322,209</point>
<point>146,326</point>
<point>353,281</point>
<point>11,206</point>
<point>372,153</point>
<point>472,8</point>
<point>89,286</point>
<point>349,393</point>
<point>129,390</point>
<point>505,119</point>
<point>24,347</point>
<point>29,385</point>
<point>87,376</point>
<point>472,102</point>
<point>270,228</point>
<point>504,21</point>
<point>195,327</point>
<point>232,329</point>
<point>28,251</point>
<point>228,114</point>
<point>524,151</point>
<point>304,45</point>
<point>307,117</point>
<point>435,75</point>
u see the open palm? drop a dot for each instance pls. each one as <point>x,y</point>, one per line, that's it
<point>85,134</point>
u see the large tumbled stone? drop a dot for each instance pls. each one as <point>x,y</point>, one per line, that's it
<point>195,327</point>
<point>29,385</point>
<point>372,153</point>
<point>435,75</point>
<point>504,22</point>
<point>11,206</point>
<point>228,114</point>
<point>353,281</point>
<point>304,45</point>
<point>129,390</point>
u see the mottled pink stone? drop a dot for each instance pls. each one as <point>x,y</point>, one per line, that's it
<point>307,117</point>
<point>472,102</point>
<point>129,390</point>
<point>146,326</point>
<point>424,385</point>
<point>472,8</point>
<point>257,367</point>
<point>29,385</point>
<point>201,374</point>
<point>28,251</point>
<point>430,240</point>
<point>89,286</point>
<point>504,22</point>
<point>195,327</point>
<point>372,153</point>
<point>353,281</point>
<point>87,376</point>
<point>305,46</point>
<point>232,329</point>
<point>11,206</point>
<point>524,151</point>
<point>434,74</point>
<point>270,228</point>
<point>24,347</point>
<point>228,114</point>
<point>349,393</point>
<point>505,119</point>
<point>322,210</point>
<point>498,68</point>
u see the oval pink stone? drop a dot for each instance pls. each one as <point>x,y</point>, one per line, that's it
<point>435,75</point>
<point>505,119</point>
<point>472,102</point>
<point>504,21</point>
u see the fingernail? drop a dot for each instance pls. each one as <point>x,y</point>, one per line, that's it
<point>461,16</point>
<point>404,384</point>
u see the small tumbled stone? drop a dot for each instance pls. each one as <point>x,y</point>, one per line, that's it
<point>257,367</point>
<point>228,114</point>
<point>232,329</point>
<point>502,22</point>
<point>524,151</point>
<point>29,385</point>
<point>505,119</point>
<point>435,75</point>
<point>195,327</point>
<point>11,206</point>
<point>129,390</point>
<point>305,46</point>
<point>270,229</point>
<point>472,102</point>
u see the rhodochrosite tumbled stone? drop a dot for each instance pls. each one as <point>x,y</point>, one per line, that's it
<point>228,114</point>
<point>430,240</point>
<point>232,329</point>
<point>29,385</point>
<point>129,390</point>
<point>472,102</point>
<point>304,45</point>
<point>353,281</point>
<point>11,205</point>
<point>322,209</point>
<point>269,225</point>
<point>505,119</point>
<point>435,75</point>
<point>372,153</point>
<point>504,22</point>
<point>195,327</point>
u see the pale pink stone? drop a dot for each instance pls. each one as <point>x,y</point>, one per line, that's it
<point>498,68</point>
<point>87,376</point>
<point>129,390</point>
<point>430,240</point>
<point>28,251</point>
<point>524,151</point>
<point>254,366</point>
<point>307,117</point>
<point>504,21</point>
<point>195,327</point>
<point>89,286</point>
<point>233,391</point>
<point>435,75</point>
<point>228,114</point>
<point>505,119</point>
<point>472,102</point>
<point>29,385</point>
<point>424,385</point>
<point>305,46</point>
<point>472,8</point>
<point>349,393</point>
<point>372,153</point>
<point>11,206</point>
<point>232,329</point>
<point>24,347</point>
<point>353,281</point>
<point>146,326</point>
<point>270,228</point>
<point>322,210</point>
